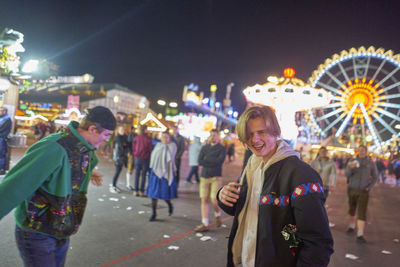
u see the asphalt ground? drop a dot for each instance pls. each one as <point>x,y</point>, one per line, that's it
<point>116,230</point>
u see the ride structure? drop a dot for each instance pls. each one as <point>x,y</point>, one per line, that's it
<point>365,84</point>
<point>287,95</point>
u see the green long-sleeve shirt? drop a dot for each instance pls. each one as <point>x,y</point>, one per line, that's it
<point>44,180</point>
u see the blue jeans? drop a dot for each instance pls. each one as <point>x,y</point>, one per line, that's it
<point>381,175</point>
<point>193,171</point>
<point>39,250</point>
<point>3,153</point>
<point>141,167</point>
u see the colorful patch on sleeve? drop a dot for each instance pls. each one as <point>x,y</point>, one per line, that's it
<point>279,201</point>
<point>283,201</point>
<point>305,189</point>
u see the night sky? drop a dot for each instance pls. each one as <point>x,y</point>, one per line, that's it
<point>155,47</point>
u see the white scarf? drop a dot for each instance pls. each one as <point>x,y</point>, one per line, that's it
<point>162,161</point>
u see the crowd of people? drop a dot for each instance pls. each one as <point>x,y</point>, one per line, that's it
<point>278,202</point>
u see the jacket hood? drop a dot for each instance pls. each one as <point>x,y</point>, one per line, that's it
<point>284,150</point>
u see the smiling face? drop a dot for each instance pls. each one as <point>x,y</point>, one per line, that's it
<point>260,142</point>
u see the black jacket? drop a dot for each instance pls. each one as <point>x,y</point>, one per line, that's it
<point>292,193</point>
<point>121,148</point>
<point>211,158</point>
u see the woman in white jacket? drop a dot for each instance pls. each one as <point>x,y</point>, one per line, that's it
<point>161,184</point>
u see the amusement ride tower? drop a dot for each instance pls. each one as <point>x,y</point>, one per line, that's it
<point>287,95</point>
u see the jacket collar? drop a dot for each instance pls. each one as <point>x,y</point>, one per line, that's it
<point>84,146</point>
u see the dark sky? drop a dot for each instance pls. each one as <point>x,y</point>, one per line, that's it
<point>155,47</point>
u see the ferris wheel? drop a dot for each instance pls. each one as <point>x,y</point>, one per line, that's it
<point>365,84</point>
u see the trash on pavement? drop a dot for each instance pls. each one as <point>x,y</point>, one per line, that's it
<point>205,238</point>
<point>351,256</point>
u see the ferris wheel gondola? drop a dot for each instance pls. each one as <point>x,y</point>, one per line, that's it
<point>365,84</point>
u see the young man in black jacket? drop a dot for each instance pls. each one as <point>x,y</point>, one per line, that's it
<point>211,157</point>
<point>278,206</point>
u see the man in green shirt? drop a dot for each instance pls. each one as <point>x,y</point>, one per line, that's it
<point>48,187</point>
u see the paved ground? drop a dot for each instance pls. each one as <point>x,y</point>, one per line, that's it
<point>118,233</point>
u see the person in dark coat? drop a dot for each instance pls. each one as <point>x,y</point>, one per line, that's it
<point>278,206</point>
<point>180,142</point>
<point>211,157</point>
<point>5,128</point>
<point>120,156</point>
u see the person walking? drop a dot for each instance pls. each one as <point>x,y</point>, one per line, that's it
<point>180,142</point>
<point>230,151</point>
<point>141,150</point>
<point>194,151</point>
<point>120,156</point>
<point>131,159</point>
<point>278,206</point>
<point>162,183</point>
<point>361,176</point>
<point>48,187</point>
<point>5,129</point>
<point>211,157</point>
<point>381,168</point>
<point>326,168</point>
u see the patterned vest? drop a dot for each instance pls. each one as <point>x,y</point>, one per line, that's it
<point>62,216</point>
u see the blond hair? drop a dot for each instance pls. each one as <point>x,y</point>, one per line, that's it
<point>264,112</point>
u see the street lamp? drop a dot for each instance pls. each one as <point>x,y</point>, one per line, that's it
<point>161,102</point>
<point>173,105</point>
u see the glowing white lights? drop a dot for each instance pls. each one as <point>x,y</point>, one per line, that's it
<point>150,117</point>
<point>298,97</point>
<point>161,102</point>
<point>25,118</point>
<point>205,100</point>
<point>327,75</point>
<point>287,96</point>
<point>4,84</point>
<point>371,127</point>
<point>173,104</point>
<point>346,121</point>
<point>272,79</point>
<point>30,66</point>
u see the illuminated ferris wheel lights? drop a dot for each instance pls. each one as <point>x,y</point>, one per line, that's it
<point>371,127</point>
